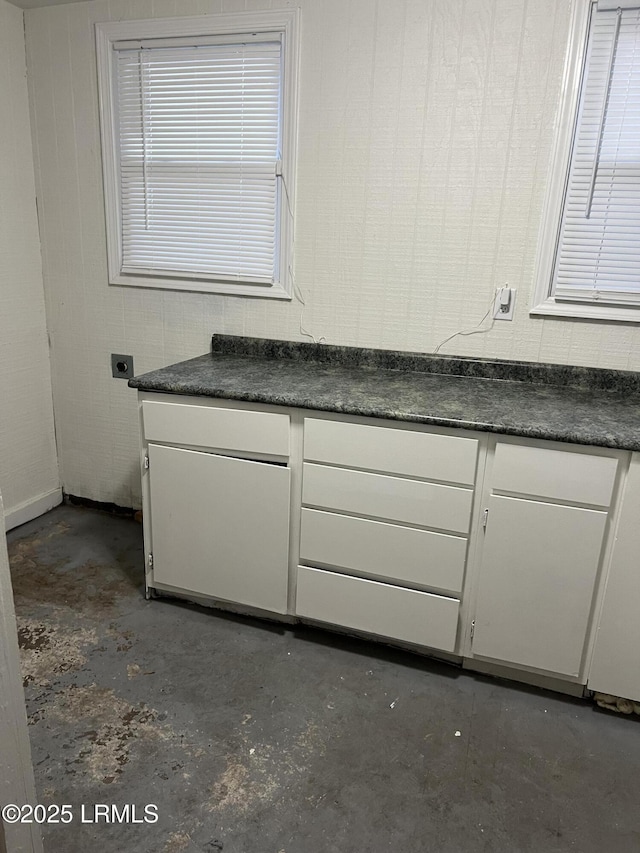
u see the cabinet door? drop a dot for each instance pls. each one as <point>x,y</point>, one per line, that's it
<point>537,577</point>
<point>220,526</point>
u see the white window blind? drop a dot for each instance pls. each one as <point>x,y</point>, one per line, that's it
<point>598,252</point>
<point>199,135</point>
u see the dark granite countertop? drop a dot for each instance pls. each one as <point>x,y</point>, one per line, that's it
<point>560,403</point>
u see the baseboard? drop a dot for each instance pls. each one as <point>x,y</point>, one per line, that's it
<point>31,509</point>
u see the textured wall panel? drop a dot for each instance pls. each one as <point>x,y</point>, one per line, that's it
<point>28,467</point>
<point>424,143</point>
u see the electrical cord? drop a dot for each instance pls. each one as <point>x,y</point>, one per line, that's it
<point>475,330</point>
<point>296,287</point>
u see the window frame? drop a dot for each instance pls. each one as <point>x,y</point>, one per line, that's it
<point>544,302</point>
<point>285,22</point>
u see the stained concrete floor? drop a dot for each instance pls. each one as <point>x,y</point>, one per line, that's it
<point>256,738</point>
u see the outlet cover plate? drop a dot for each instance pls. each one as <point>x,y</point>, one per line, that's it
<point>504,312</point>
<point>121,366</point>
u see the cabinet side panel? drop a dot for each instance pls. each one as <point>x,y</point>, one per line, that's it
<point>615,668</point>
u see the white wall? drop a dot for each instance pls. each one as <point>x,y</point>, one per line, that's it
<point>28,467</point>
<point>425,135</point>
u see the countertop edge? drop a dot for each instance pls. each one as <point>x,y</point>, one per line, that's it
<point>379,384</point>
<point>402,417</point>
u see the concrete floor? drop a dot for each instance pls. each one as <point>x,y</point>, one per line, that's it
<point>254,738</point>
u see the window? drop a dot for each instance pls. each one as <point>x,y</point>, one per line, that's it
<point>589,253</point>
<point>198,140</point>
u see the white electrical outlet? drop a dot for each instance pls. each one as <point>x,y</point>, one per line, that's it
<point>504,303</point>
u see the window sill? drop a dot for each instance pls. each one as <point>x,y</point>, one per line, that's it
<point>226,288</point>
<point>583,311</point>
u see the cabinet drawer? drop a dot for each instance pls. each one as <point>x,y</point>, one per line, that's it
<point>225,429</point>
<point>416,557</point>
<point>394,498</point>
<point>393,451</point>
<point>556,474</point>
<point>378,608</point>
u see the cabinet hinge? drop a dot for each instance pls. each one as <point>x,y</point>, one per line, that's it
<point>485,516</point>
<point>473,629</point>
<point>150,561</point>
<point>146,463</point>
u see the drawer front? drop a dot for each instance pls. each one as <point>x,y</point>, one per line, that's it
<point>393,451</point>
<point>556,474</point>
<point>393,498</point>
<point>225,429</point>
<point>388,551</point>
<point>378,608</point>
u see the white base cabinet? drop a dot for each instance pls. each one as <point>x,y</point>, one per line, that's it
<point>216,494</point>
<point>384,530</point>
<point>541,555</point>
<point>379,529</point>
